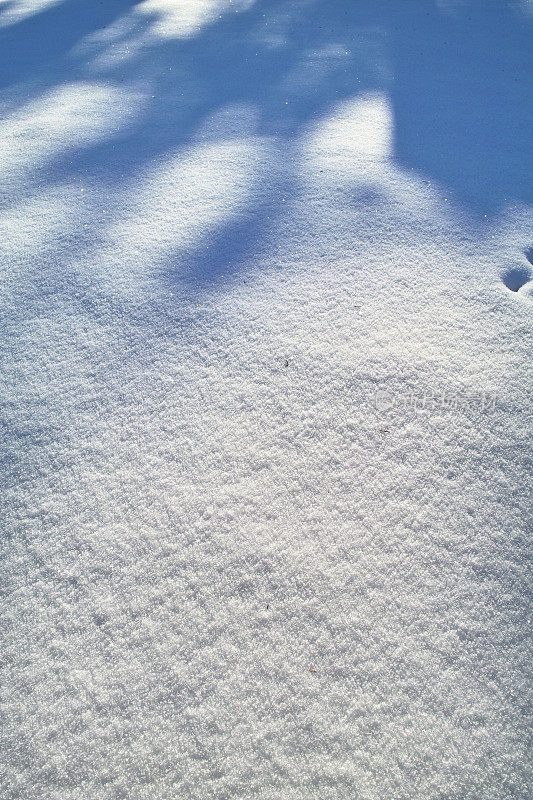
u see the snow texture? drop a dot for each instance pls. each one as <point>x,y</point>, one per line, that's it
<point>266,325</point>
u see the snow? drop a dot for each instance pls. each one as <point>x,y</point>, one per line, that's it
<point>266,293</point>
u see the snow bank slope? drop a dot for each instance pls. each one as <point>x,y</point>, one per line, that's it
<point>266,370</point>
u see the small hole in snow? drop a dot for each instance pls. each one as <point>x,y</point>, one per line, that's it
<point>516,277</point>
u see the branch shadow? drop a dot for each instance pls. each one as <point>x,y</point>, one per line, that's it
<point>288,63</point>
<point>35,49</point>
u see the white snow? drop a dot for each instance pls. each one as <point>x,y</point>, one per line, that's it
<point>183,18</point>
<point>15,10</point>
<point>266,325</point>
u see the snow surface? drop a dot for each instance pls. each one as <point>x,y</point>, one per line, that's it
<point>266,328</point>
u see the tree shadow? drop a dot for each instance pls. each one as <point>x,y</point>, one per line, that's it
<point>36,49</point>
<point>233,63</point>
<point>463,100</point>
<point>287,63</point>
<point>458,82</point>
